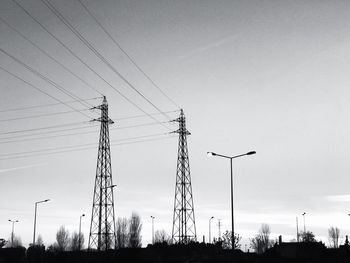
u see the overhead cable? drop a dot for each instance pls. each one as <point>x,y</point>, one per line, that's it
<point>126,54</point>
<point>84,63</point>
<point>59,15</point>
<point>51,57</point>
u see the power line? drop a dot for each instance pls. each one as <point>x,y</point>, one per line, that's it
<point>71,149</point>
<point>51,82</point>
<point>137,125</point>
<point>40,90</point>
<point>51,57</point>
<point>140,116</point>
<point>69,134</point>
<point>59,15</point>
<point>71,129</point>
<point>47,149</point>
<point>41,115</point>
<point>48,132</point>
<point>44,128</point>
<point>45,105</point>
<point>126,54</point>
<point>84,63</point>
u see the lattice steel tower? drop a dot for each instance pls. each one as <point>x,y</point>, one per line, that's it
<point>102,229</point>
<point>184,227</point>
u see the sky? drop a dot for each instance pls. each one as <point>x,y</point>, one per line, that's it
<point>269,76</point>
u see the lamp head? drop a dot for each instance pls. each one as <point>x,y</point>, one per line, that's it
<point>46,200</point>
<point>211,154</point>
<point>83,215</point>
<point>251,152</point>
<point>212,217</point>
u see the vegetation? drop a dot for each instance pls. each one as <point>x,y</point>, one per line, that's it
<point>62,239</point>
<point>128,232</point>
<point>226,240</point>
<point>261,242</point>
<point>135,231</point>
<point>76,243</point>
<point>161,236</point>
<point>334,235</point>
<point>17,242</point>
<point>39,241</point>
<point>122,233</point>
<point>308,237</point>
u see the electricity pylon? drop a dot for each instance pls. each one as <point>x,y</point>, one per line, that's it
<point>102,229</point>
<point>184,226</point>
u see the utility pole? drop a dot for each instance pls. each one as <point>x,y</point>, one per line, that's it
<point>304,222</point>
<point>297,229</point>
<point>102,229</point>
<point>219,229</point>
<point>210,228</point>
<point>80,231</point>
<point>35,211</point>
<point>13,229</point>
<point>152,229</point>
<point>184,226</point>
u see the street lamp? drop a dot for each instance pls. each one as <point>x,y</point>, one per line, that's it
<point>13,228</point>
<point>303,214</point>
<point>297,221</point>
<point>36,204</point>
<point>152,229</point>
<point>210,229</point>
<point>231,158</point>
<point>80,231</point>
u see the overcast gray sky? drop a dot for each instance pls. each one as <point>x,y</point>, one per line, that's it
<point>269,76</point>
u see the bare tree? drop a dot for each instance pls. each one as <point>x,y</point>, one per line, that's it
<point>62,238</point>
<point>2,242</point>
<point>227,240</point>
<point>333,235</point>
<point>74,242</point>
<point>256,244</point>
<point>17,242</point>
<point>261,242</point>
<point>39,241</point>
<point>135,231</point>
<point>122,233</point>
<point>308,236</point>
<point>265,235</point>
<point>160,236</point>
<point>107,239</point>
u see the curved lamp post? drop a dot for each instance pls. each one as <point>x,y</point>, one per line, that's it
<point>152,229</point>
<point>303,214</point>
<point>13,229</point>
<point>80,231</point>
<point>210,229</point>
<point>36,205</point>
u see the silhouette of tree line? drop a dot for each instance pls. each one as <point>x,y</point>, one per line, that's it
<point>128,238</point>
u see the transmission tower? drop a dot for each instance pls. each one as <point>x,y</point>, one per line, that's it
<point>102,229</point>
<point>184,227</point>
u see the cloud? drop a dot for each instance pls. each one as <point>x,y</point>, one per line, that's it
<point>338,198</point>
<point>21,167</point>
<point>208,46</point>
